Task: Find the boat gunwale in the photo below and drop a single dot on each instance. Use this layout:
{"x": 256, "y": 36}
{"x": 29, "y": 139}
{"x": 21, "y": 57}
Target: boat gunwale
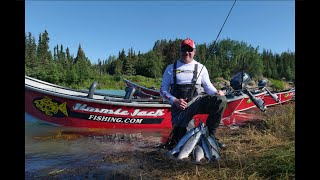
{"x": 71, "y": 89}
{"x": 105, "y": 99}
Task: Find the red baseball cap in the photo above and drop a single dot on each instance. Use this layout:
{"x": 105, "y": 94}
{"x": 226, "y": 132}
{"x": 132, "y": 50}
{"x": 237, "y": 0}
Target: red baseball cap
{"x": 188, "y": 42}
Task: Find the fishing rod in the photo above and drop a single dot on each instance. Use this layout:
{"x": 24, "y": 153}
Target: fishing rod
{"x": 215, "y": 42}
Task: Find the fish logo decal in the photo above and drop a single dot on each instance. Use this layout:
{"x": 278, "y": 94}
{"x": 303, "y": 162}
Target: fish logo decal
{"x": 287, "y": 95}
{"x": 51, "y": 107}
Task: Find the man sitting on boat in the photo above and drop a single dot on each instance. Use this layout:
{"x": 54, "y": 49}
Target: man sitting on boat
{"x": 187, "y": 87}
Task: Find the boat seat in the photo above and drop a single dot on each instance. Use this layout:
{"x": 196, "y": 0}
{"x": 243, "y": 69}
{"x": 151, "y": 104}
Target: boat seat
{"x": 129, "y": 92}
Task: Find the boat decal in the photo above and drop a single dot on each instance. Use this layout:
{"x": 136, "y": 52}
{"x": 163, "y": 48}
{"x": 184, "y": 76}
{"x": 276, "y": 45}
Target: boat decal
{"x": 119, "y": 111}
{"x": 288, "y": 94}
{"x": 249, "y": 101}
{"x": 51, "y": 107}
{"x": 114, "y": 119}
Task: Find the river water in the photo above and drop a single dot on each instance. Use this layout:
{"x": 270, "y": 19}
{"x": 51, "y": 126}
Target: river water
{"x": 50, "y": 148}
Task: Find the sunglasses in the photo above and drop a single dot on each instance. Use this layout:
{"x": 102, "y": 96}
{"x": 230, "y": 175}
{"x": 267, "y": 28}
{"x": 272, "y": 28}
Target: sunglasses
{"x": 186, "y": 49}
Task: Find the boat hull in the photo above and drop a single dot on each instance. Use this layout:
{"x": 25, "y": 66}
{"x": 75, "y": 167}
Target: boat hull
{"x": 247, "y": 103}
{"x": 68, "y": 107}
{"x": 284, "y": 96}
{"x": 81, "y": 113}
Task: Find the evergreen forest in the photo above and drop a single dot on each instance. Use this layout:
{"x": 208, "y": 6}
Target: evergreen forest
{"x": 227, "y": 58}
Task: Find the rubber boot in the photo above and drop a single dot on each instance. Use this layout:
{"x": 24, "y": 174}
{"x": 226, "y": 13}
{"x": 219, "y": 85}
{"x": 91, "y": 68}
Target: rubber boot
{"x": 176, "y": 134}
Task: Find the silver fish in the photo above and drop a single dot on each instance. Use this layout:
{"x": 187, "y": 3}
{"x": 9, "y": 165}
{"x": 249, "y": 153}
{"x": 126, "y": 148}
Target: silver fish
{"x": 184, "y": 139}
{"x": 206, "y": 147}
{"x": 213, "y": 142}
{"x": 216, "y": 154}
{"x": 198, "y": 154}
{"x": 189, "y": 146}
{"x": 214, "y": 147}
{"x": 190, "y": 125}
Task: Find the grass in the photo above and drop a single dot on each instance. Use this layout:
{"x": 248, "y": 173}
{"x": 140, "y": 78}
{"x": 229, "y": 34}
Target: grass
{"x": 260, "y": 149}
{"x": 117, "y": 83}
{"x": 263, "y": 149}
{"x": 260, "y": 152}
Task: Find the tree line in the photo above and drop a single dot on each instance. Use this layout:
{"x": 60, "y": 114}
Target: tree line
{"x": 224, "y": 60}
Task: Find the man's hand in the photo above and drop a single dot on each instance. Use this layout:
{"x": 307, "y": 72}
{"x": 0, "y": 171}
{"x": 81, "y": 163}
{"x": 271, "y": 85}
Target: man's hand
{"x": 221, "y": 93}
{"x": 180, "y": 103}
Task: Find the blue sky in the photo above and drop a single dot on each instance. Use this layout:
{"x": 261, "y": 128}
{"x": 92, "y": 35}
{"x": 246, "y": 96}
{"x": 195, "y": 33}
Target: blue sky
{"x": 104, "y": 28}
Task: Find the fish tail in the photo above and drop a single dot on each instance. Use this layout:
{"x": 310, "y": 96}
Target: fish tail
{"x": 63, "y": 108}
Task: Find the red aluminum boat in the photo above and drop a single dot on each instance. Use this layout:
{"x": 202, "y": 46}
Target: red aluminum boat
{"x": 69, "y": 107}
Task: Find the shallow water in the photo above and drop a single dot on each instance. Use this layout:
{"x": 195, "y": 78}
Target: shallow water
{"x": 49, "y": 148}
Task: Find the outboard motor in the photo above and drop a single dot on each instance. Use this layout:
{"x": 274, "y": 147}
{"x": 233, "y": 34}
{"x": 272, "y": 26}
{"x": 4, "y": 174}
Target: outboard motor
{"x": 257, "y": 101}
{"x": 262, "y": 83}
{"x": 240, "y": 80}
{"x": 274, "y": 96}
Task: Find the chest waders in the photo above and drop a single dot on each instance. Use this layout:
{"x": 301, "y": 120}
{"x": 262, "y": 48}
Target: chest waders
{"x": 184, "y": 91}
